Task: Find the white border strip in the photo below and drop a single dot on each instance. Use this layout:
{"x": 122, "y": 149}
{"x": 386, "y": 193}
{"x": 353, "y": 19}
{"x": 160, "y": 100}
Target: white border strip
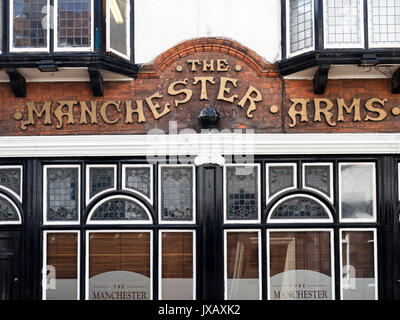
{"x": 109, "y": 222}
{"x": 44, "y": 266}
{"x": 258, "y": 231}
{"x": 316, "y": 164}
{"x": 87, "y": 178}
{"x": 258, "y": 184}
{"x": 160, "y": 278}
{"x": 138, "y": 166}
{"x": 196, "y": 144}
{"x": 18, "y": 196}
{"x": 275, "y": 164}
{"x": 374, "y": 200}
{"x": 61, "y": 222}
{"x": 375, "y": 239}
{"x": 160, "y": 221}
{"x": 332, "y": 253}
{"x": 87, "y": 254}
{"x": 4, "y": 223}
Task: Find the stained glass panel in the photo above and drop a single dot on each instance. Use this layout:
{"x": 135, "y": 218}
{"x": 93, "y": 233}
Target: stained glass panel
{"x": 242, "y": 193}
{"x": 62, "y": 194}
{"x": 100, "y": 179}
{"x": 11, "y": 178}
{"x": 138, "y": 179}
{"x": 280, "y": 178}
{"x": 177, "y": 193}
{"x": 318, "y": 177}
{"x": 119, "y": 209}
{"x": 7, "y": 211}
{"x": 299, "y": 208}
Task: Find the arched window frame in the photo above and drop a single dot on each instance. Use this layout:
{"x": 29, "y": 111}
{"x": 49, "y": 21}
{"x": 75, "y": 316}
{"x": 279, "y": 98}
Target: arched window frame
{"x": 301, "y": 220}
{"x": 11, "y": 202}
{"x": 125, "y": 222}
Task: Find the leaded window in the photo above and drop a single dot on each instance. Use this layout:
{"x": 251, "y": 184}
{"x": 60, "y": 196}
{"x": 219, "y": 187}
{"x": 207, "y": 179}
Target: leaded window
{"x": 74, "y": 24}
{"x": 300, "y": 208}
{"x": 30, "y": 25}
{"x": 61, "y": 189}
{"x": 138, "y": 178}
{"x": 242, "y": 190}
{"x": 301, "y": 27}
{"x": 343, "y": 21}
{"x": 280, "y": 177}
{"x": 11, "y": 180}
{"x": 100, "y": 179}
{"x": 119, "y": 209}
{"x": 384, "y": 23}
{"x": 318, "y": 177}
{"x": 177, "y": 193}
{"x": 9, "y": 213}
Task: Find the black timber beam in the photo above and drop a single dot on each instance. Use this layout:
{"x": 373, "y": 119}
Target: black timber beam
{"x": 321, "y": 79}
{"x": 17, "y": 82}
{"x": 395, "y": 81}
{"x": 96, "y": 82}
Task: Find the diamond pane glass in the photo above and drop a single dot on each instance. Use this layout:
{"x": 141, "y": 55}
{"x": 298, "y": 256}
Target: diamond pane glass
{"x": 100, "y": 179}
{"x": 30, "y": 24}
{"x": 279, "y": 178}
{"x": 7, "y": 211}
{"x": 177, "y": 193}
{"x": 242, "y": 193}
{"x": 138, "y": 179}
{"x": 343, "y": 22}
{"x": 318, "y": 177}
{"x": 119, "y": 209}
{"x": 301, "y": 25}
{"x": 62, "y": 194}
{"x": 74, "y": 23}
{"x": 11, "y": 178}
{"x": 299, "y": 208}
{"x": 384, "y": 22}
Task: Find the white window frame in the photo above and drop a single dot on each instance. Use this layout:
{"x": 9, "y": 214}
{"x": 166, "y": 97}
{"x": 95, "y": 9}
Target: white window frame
{"x": 90, "y": 166}
{"x": 108, "y": 222}
{"x": 338, "y": 45}
{"x": 374, "y": 207}
{"x": 317, "y": 164}
{"x": 12, "y": 192}
{"x": 160, "y": 221}
{"x": 73, "y": 49}
{"x": 373, "y": 230}
{"x": 108, "y": 31}
{"x": 301, "y": 220}
{"x": 258, "y": 166}
{"x": 370, "y": 33}
{"x": 87, "y": 254}
{"x": 289, "y": 54}
{"x": 286, "y": 164}
{"x": 160, "y": 278}
{"x": 124, "y": 187}
{"x": 44, "y": 261}
{"x": 19, "y": 222}
{"x": 260, "y": 278}
{"x": 332, "y": 254}
{"x": 61, "y": 222}
{"x": 11, "y": 31}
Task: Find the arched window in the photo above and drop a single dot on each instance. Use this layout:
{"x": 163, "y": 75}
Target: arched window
{"x": 299, "y": 208}
{"x": 119, "y": 209}
{"x": 9, "y": 213}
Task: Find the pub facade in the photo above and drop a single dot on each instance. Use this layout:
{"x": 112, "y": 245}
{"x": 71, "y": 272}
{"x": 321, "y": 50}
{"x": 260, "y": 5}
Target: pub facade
{"x": 207, "y": 172}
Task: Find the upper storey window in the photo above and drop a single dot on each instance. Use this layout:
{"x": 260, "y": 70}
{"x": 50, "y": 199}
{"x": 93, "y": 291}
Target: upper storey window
{"x": 340, "y": 24}
{"x": 301, "y": 34}
{"x": 343, "y": 22}
{"x": 69, "y": 26}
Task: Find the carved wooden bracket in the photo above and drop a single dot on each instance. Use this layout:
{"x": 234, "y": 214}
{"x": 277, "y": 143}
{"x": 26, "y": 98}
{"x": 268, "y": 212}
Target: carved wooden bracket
{"x": 17, "y": 83}
{"x": 321, "y": 79}
{"x": 96, "y": 82}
